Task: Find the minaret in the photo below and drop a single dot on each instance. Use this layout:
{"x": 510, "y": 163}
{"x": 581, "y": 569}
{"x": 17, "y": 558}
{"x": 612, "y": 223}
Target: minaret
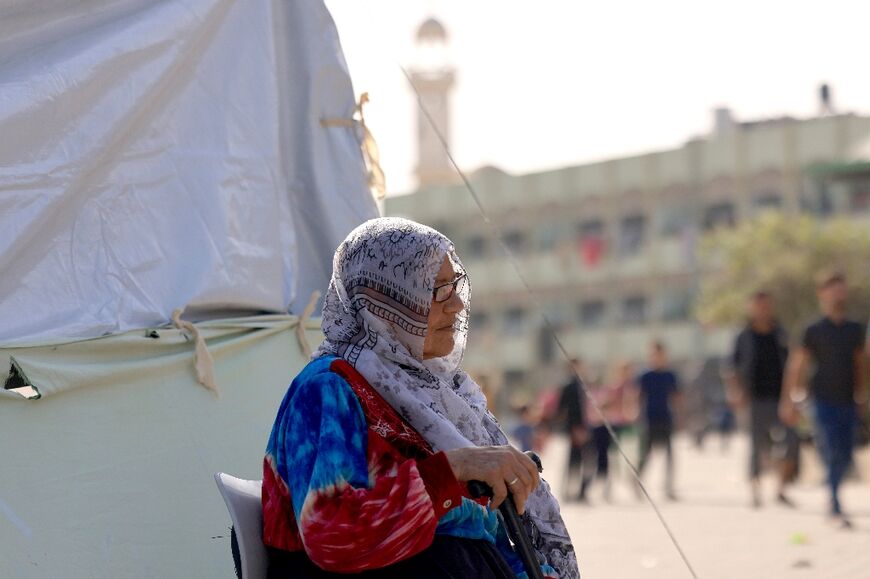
{"x": 433, "y": 76}
{"x": 826, "y": 101}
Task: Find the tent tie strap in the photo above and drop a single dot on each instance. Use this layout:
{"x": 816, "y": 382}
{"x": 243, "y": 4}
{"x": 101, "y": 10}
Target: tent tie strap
{"x": 203, "y": 362}
{"x": 371, "y": 153}
{"x": 304, "y": 345}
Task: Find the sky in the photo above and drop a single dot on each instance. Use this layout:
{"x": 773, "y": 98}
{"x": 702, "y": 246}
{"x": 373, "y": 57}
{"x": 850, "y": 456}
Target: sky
{"x": 556, "y": 82}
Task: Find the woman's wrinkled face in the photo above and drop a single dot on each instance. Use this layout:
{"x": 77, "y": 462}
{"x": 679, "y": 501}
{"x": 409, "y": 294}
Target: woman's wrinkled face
{"x": 442, "y": 316}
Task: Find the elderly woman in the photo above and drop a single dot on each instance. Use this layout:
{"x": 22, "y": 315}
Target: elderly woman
{"x": 374, "y": 441}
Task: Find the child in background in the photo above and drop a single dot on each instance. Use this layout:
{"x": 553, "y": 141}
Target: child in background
{"x": 524, "y": 431}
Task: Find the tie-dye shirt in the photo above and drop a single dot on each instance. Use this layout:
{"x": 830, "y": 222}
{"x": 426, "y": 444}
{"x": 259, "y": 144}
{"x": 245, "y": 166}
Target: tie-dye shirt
{"x": 348, "y": 481}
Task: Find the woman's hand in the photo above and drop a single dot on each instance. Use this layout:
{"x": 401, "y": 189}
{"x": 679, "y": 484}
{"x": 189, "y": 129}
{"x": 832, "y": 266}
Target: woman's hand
{"x": 497, "y": 466}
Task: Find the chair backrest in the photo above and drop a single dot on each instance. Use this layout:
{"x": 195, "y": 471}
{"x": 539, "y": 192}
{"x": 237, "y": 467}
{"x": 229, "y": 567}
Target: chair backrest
{"x": 243, "y": 499}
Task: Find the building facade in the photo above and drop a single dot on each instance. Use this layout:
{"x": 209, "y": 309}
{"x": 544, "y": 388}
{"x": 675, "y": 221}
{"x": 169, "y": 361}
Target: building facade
{"x": 609, "y": 248}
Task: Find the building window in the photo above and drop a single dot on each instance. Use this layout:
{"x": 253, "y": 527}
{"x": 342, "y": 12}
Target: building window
{"x": 558, "y": 315}
{"x": 767, "y": 200}
{"x": 631, "y": 235}
{"x": 675, "y": 220}
{"x": 676, "y": 305}
{"x": 514, "y": 321}
{"x": 514, "y": 379}
{"x": 719, "y": 215}
{"x": 591, "y": 228}
{"x": 634, "y": 310}
{"x": 515, "y": 241}
{"x": 592, "y": 242}
{"x": 808, "y": 198}
{"x": 479, "y": 320}
{"x": 859, "y": 201}
{"x": 549, "y": 236}
{"x": 592, "y": 314}
{"x": 546, "y": 346}
{"x": 443, "y": 228}
{"x": 477, "y": 247}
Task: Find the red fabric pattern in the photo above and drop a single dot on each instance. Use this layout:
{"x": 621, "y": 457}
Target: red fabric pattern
{"x": 349, "y": 529}
{"x": 381, "y": 417}
{"x": 445, "y": 491}
{"x": 279, "y": 529}
{"x": 389, "y": 424}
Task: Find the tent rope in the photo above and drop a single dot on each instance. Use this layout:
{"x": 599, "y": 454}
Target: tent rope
{"x": 496, "y": 230}
{"x": 202, "y": 358}
{"x": 203, "y": 362}
{"x": 368, "y": 145}
{"x": 304, "y": 345}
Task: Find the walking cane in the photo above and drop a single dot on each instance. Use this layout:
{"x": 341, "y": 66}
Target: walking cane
{"x": 514, "y": 524}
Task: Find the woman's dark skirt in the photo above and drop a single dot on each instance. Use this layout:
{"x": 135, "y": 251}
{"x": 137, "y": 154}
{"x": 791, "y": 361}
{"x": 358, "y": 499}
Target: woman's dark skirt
{"x": 446, "y": 558}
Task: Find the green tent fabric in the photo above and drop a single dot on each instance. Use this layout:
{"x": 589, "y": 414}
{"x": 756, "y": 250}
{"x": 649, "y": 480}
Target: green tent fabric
{"x": 109, "y": 472}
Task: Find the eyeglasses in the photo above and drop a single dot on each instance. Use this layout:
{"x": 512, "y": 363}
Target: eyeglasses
{"x": 444, "y": 292}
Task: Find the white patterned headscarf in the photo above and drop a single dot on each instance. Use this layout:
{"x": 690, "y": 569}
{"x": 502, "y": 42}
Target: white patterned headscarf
{"x": 375, "y": 316}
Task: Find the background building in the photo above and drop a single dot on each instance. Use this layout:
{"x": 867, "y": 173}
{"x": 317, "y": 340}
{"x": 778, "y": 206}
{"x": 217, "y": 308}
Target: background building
{"x": 609, "y": 248}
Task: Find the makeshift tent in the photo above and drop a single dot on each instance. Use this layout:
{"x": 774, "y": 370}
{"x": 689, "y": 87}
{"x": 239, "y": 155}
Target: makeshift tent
{"x": 158, "y": 157}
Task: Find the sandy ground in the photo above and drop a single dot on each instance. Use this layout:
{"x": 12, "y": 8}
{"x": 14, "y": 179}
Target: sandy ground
{"x": 722, "y": 536}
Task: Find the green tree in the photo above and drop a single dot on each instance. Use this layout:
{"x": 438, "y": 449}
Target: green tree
{"x": 782, "y": 254}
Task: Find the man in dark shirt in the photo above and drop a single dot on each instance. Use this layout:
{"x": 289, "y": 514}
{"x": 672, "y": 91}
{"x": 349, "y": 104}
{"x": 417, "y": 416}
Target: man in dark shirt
{"x": 572, "y": 414}
{"x": 835, "y": 345}
{"x": 760, "y": 352}
{"x": 658, "y": 391}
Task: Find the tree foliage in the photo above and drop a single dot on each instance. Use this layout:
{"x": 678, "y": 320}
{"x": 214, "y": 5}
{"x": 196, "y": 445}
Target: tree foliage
{"x": 782, "y": 254}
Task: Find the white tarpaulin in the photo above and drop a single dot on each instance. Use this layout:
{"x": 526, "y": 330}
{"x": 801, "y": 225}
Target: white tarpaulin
{"x": 157, "y": 155}
{"x": 168, "y": 154}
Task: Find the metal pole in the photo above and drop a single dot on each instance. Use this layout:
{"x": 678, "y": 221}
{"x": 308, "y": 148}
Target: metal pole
{"x": 514, "y": 523}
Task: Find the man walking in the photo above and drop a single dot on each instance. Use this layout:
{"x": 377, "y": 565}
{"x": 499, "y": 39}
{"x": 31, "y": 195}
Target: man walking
{"x": 835, "y": 345}
{"x": 760, "y": 353}
{"x": 658, "y": 391}
{"x": 572, "y": 414}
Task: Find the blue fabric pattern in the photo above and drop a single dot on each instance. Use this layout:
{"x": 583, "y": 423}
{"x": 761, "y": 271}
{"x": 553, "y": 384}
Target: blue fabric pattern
{"x": 320, "y": 439}
{"x": 471, "y": 521}
{"x": 320, "y": 434}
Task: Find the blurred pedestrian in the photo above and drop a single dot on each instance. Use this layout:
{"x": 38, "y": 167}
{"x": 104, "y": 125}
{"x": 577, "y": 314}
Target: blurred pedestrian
{"x": 595, "y": 460}
{"x": 714, "y": 412}
{"x": 572, "y": 415}
{"x": 547, "y": 403}
{"x": 658, "y": 393}
{"x": 725, "y": 421}
{"x": 618, "y": 407}
{"x": 758, "y": 361}
{"x": 524, "y": 430}
{"x": 613, "y": 399}
{"x": 835, "y": 346}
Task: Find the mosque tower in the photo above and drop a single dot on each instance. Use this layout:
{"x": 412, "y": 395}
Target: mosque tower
{"x": 433, "y": 75}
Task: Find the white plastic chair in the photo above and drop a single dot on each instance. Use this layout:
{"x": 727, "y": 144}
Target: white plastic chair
{"x": 243, "y": 499}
